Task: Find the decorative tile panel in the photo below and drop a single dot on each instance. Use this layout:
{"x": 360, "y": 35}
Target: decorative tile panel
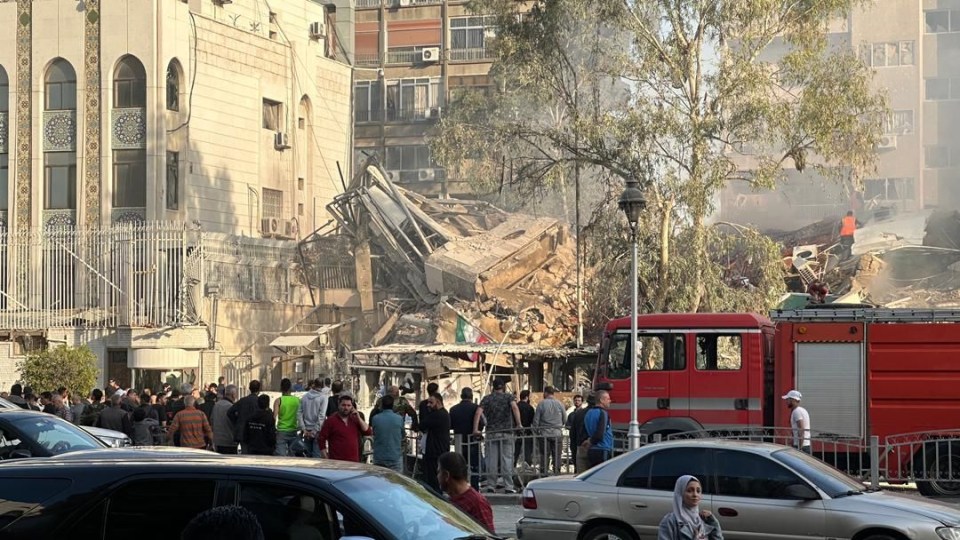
{"x": 59, "y": 131}
{"x": 59, "y": 219}
{"x": 91, "y": 112}
{"x": 129, "y": 128}
{"x": 24, "y": 111}
{"x": 128, "y": 216}
{"x": 4, "y": 126}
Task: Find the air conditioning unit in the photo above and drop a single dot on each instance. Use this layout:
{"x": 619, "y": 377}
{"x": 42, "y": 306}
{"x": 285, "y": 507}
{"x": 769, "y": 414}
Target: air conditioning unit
{"x": 281, "y": 141}
{"x": 887, "y": 141}
{"x": 426, "y": 175}
{"x": 318, "y": 30}
{"x": 434, "y": 112}
{"x": 430, "y": 54}
{"x": 270, "y": 226}
{"x": 290, "y": 228}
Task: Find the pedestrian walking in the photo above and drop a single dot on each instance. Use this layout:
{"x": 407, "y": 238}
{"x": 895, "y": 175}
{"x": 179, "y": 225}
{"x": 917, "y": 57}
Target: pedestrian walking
{"x": 192, "y": 426}
{"x": 687, "y": 521}
{"x": 452, "y": 479}
{"x": 524, "y": 442}
{"x": 339, "y": 437}
{"x": 115, "y": 418}
{"x": 387, "y": 436}
{"x": 578, "y": 433}
{"x": 260, "y": 435}
{"x": 599, "y": 445}
{"x": 92, "y": 410}
{"x": 144, "y": 428}
{"x": 435, "y": 426}
{"x": 286, "y": 409}
{"x": 310, "y": 415}
{"x": 502, "y": 415}
{"x": 224, "y": 441}
{"x": 209, "y": 401}
{"x": 848, "y": 228}
{"x": 243, "y": 410}
{"x": 424, "y": 407}
{"x": 571, "y": 429}
{"x": 548, "y": 422}
{"x": 333, "y": 402}
{"x": 467, "y": 444}
{"x": 799, "y": 421}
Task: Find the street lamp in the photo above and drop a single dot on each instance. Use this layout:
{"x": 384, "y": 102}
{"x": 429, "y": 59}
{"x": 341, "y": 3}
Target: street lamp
{"x": 632, "y": 203}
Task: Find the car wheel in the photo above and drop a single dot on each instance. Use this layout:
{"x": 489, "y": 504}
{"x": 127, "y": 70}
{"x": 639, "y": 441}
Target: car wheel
{"x": 880, "y": 537}
{"x": 608, "y": 532}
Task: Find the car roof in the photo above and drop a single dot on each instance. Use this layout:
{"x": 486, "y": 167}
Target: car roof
{"x": 330, "y": 470}
{"x": 752, "y": 446}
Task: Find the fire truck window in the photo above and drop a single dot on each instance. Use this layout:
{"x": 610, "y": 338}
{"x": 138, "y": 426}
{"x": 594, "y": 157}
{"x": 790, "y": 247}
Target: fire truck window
{"x": 717, "y": 352}
{"x": 666, "y": 352}
{"x": 741, "y": 474}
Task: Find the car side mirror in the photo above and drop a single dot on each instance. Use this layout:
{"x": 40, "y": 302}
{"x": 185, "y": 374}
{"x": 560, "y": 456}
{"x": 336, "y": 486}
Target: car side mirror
{"x": 20, "y": 454}
{"x": 802, "y": 492}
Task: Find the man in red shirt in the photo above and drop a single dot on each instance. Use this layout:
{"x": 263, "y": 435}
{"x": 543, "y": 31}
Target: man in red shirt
{"x": 453, "y": 478}
{"x": 339, "y": 438}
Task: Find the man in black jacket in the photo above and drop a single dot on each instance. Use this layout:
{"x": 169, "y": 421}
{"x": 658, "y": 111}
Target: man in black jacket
{"x": 260, "y": 430}
{"x": 435, "y": 426}
{"x": 461, "y": 421}
{"x": 578, "y": 433}
{"x": 524, "y": 436}
{"x": 241, "y": 411}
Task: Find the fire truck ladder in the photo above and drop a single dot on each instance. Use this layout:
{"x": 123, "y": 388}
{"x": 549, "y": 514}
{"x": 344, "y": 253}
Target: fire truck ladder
{"x": 881, "y": 315}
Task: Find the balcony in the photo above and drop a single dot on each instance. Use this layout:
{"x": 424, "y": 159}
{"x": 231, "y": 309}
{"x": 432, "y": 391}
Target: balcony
{"x": 405, "y": 3}
{"x": 368, "y": 59}
{"x": 471, "y": 55}
{"x": 404, "y": 57}
{"x": 414, "y": 114}
{"x": 368, "y": 4}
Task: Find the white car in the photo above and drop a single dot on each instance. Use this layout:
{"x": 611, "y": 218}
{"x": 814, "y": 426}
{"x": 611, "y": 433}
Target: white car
{"x": 113, "y": 439}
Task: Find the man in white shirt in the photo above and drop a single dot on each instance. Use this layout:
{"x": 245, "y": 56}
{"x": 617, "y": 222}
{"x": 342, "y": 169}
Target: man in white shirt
{"x": 799, "y": 421}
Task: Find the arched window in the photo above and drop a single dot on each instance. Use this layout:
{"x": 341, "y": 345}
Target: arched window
{"x": 174, "y": 77}
{"x": 129, "y": 84}
{"x": 60, "y": 87}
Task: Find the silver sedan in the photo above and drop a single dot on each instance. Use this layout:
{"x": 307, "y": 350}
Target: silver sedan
{"x": 756, "y": 490}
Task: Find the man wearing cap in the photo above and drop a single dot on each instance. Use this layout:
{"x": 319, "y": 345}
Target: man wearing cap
{"x": 799, "y": 421}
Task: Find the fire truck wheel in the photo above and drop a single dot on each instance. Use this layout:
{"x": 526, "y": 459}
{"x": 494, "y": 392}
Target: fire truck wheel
{"x": 940, "y": 459}
{"x": 608, "y": 532}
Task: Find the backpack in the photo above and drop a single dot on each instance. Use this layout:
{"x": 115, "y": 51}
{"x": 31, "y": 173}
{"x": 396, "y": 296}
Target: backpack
{"x": 91, "y": 412}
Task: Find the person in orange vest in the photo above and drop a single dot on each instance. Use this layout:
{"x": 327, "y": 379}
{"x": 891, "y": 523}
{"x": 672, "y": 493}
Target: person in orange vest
{"x": 848, "y": 226}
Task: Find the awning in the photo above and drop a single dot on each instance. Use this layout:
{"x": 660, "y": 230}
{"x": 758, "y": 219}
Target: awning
{"x": 163, "y": 359}
{"x": 294, "y": 340}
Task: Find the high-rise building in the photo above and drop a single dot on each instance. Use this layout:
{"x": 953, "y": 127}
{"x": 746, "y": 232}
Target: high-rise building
{"x": 411, "y": 57}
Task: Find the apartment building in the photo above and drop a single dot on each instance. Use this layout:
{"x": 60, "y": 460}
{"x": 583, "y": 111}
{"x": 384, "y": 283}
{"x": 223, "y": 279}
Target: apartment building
{"x": 411, "y": 57}
{"x": 914, "y": 49}
{"x": 158, "y": 161}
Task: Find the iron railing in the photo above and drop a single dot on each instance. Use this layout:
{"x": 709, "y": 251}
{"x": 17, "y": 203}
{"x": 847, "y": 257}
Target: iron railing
{"x": 472, "y": 54}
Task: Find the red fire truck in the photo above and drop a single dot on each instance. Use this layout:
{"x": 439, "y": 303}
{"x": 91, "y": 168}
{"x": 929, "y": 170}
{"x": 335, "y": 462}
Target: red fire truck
{"x": 890, "y": 373}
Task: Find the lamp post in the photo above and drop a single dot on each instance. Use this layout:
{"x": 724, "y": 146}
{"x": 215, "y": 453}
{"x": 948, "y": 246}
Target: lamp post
{"x": 632, "y": 203}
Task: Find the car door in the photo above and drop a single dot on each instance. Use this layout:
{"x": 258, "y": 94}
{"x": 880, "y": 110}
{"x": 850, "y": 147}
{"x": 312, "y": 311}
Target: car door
{"x": 750, "y": 500}
{"x": 646, "y": 488}
{"x": 157, "y": 508}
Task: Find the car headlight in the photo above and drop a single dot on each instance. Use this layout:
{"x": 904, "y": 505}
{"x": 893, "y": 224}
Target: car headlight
{"x": 116, "y": 443}
{"x": 949, "y": 533}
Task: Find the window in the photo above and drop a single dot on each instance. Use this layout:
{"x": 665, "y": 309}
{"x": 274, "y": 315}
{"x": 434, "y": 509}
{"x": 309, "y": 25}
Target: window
{"x": 889, "y": 189}
{"x": 18, "y": 497}
{"x": 129, "y": 178}
{"x": 899, "y": 123}
{"x": 668, "y": 465}
{"x": 60, "y": 180}
{"x": 173, "y": 86}
{"x": 717, "y": 352}
{"x": 942, "y": 89}
{"x": 742, "y": 474}
{"x": 60, "y": 87}
{"x": 173, "y": 180}
{"x": 664, "y": 352}
{"x": 4, "y": 181}
{"x": 285, "y": 512}
{"x": 469, "y": 37}
{"x": 412, "y": 99}
{"x": 638, "y": 475}
{"x": 409, "y": 158}
{"x": 178, "y": 500}
{"x": 272, "y": 203}
{"x": 888, "y": 54}
{"x": 299, "y": 209}
{"x": 272, "y": 114}
{"x": 129, "y": 84}
{"x": 936, "y": 157}
{"x": 300, "y": 184}
{"x": 942, "y": 21}
{"x": 367, "y": 101}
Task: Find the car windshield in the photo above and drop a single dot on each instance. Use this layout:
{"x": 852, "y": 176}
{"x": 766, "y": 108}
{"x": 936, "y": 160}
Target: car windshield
{"x": 409, "y": 510}
{"x": 56, "y": 435}
{"x": 829, "y": 480}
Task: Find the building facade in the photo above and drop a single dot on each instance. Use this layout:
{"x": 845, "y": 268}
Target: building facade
{"x": 158, "y": 161}
{"x": 411, "y": 57}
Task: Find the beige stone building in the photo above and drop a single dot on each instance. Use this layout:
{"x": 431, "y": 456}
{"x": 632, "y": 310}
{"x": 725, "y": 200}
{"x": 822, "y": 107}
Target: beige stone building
{"x": 914, "y": 50}
{"x": 158, "y": 161}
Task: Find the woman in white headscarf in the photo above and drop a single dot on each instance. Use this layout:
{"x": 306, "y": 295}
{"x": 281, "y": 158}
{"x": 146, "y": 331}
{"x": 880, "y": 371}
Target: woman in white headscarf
{"x": 687, "y": 521}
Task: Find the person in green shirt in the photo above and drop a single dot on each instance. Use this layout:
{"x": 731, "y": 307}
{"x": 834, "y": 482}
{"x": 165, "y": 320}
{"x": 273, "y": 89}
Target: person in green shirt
{"x": 285, "y": 410}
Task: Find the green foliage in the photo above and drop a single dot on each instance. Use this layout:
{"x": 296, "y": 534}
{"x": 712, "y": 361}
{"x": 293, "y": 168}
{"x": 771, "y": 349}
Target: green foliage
{"x": 49, "y": 369}
{"x": 670, "y": 94}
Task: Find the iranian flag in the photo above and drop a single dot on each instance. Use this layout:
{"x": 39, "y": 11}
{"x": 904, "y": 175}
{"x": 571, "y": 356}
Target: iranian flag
{"x": 468, "y": 333}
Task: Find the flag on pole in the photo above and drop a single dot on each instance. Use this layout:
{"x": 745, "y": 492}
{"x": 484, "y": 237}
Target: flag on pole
{"x": 468, "y": 333}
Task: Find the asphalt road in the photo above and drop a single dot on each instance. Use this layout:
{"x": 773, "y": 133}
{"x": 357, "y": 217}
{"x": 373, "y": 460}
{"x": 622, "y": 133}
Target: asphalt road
{"x": 505, "y": 515}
